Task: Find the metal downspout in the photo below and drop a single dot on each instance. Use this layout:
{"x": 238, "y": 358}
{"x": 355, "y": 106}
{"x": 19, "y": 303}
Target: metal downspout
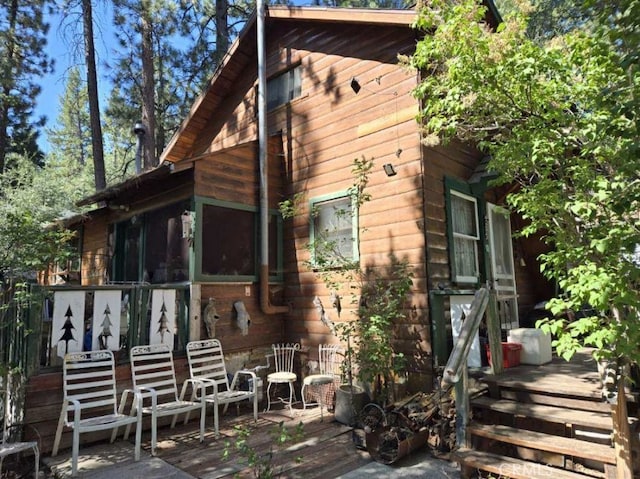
{"x": 265, "y": 303}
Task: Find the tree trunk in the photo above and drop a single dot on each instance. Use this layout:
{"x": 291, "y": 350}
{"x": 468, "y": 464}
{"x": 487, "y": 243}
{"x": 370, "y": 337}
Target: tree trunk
{"x": 148, "y": 97}
{"x": 92, "y": 92}
{"x": 222, "y": 29}
{"x": 12, "y": 16}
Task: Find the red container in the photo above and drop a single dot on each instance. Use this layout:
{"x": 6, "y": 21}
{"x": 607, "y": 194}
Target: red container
{"x": 510, "y": 354}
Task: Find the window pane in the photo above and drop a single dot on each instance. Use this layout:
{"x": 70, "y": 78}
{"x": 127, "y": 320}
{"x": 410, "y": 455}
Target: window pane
{"x": 166, "y": 251}
{"x": 464, "y": 216}
{"x": 502, "y": 243}
{"x": 465, "y": 257}
{"x": 228, "y": 246}
{"x": 131, "y": 251}
{"x": 333, "y": 229}
{"x": 284, "y": 88}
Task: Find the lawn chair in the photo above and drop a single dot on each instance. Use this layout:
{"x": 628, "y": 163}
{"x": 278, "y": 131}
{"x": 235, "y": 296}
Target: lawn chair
{"x": 89, "y": 383}
{"x": 322, "y": 385}
{"x": 284, "y": 355}
{"x": 7, "y": 448}
{"x": 154, "y": 376}
{"x": 206, "y": 364}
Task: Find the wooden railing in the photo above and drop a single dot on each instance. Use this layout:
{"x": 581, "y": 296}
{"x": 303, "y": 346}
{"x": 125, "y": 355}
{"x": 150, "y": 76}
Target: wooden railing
{"x": 455, "y": 372}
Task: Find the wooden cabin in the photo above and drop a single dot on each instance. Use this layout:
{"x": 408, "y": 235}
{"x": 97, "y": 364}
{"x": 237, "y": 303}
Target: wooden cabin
{"x": 336, "y": 91}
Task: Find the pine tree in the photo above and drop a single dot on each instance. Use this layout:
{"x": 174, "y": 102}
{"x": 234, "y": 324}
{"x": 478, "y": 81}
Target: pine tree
{"x": 67, "y": 327}
{"x": 163, "y": 321}
{"x": 22, "y": 62}
{"x": 106, "y": 328}
{"x": 71, "y": 137}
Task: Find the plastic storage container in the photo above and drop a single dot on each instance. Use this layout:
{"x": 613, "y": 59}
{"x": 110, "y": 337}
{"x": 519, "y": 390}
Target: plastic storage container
{"x": 536, "y": 345}
{"x": 510, "y": 354}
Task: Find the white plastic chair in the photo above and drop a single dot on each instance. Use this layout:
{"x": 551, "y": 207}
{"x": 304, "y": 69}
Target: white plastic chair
{"x": 154, "y": 376}
{"x": 89, "y": 382}
{"x": 284, "y": 355}
{"x": 206, "y": 365}
{"x": 324, "y": 382}
{"x": 7, "y": 448}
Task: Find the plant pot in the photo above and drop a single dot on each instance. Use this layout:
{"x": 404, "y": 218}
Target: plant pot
{"x": 349, "y": 402}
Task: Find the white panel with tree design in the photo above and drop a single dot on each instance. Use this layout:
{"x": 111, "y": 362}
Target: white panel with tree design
{"x": 163, "y": 317}
{"x": 106, "y": 320}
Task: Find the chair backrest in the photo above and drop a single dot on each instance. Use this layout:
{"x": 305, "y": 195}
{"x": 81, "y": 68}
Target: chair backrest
{"x": 89, "y": 377}
{"x": 284, "y": 355}
{"x": 329, "y": 359}
{"x": 206, "y": 361}
{"x": 152, "y": 367}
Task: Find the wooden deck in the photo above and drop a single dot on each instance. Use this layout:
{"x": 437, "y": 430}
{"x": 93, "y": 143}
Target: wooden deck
{"x": 577, "y": 377}
{"x": 325, "y": 450}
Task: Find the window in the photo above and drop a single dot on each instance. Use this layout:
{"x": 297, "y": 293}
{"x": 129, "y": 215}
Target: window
{"x": 149, "y": 247}
{"x": 283, "y": 88}
{"x": 334, "y": 231}
{"x": 465, "y": 235}
{"x": 227, "y": 241}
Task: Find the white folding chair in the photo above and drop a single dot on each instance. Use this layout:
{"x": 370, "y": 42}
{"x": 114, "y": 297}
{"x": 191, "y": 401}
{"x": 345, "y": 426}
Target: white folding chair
{"x": 8, "y": 448}
{"x": 321, "y": 385}
{"x": 154, "y": 376}
{"x": 284, "y": 356}
{"x": 89, "y": 382}
{"x": 206, "y": 364}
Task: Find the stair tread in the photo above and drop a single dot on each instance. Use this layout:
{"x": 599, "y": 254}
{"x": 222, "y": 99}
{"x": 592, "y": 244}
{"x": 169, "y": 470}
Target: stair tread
{"x": 546, "y": 442}
{"x": 528, "y": 396}
{"x": 511, "y": 467}
{"x": 590, "y": 419}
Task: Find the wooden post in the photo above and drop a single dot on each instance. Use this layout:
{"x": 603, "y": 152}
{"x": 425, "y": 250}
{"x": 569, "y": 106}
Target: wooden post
{"x": 462, "y": 408}
{"x": 494, "y": 334}
{"x": 195, "y": 312}
{"x": 621, "y": 434}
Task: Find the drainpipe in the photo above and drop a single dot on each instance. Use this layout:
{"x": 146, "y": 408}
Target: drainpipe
{"x": 265, "y": 303}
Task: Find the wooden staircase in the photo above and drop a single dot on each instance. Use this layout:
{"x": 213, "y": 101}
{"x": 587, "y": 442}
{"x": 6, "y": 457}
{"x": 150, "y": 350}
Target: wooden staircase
{"x": 540, "y": 422}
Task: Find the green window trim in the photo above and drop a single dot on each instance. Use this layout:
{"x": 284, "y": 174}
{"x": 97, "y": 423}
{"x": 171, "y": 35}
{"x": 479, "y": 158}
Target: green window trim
{"x": 198, "y": 250}
{"x": 314, "y": 204}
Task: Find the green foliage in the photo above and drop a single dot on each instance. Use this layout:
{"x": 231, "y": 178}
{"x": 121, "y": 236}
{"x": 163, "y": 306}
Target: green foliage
{"x": 561, "y": 120}
{"x": 31, "y": 200}
{"x": 382, "y": 304}
{"x": 262, "y": 464}
{"x": 22, "y": 61}
{"x": 71, "y": 137}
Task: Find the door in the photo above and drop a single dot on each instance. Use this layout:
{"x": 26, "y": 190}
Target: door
{"x": 502, "y": 273}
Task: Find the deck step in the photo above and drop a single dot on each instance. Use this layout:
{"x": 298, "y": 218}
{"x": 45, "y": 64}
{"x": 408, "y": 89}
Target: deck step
{"x": 553, "y": 414}
{"x": 550, "y": 400}
{"x": 545, "y": 442}
{"x": 510, "y": 467}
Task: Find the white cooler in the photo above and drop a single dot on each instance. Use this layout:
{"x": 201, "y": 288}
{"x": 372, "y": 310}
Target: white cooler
{"x": 536, "y": 345}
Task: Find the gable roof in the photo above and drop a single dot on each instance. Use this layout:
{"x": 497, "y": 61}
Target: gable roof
{"x": 243, "y": 50}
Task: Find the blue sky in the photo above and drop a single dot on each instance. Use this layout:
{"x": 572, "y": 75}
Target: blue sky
{"x": 58, "y": 48}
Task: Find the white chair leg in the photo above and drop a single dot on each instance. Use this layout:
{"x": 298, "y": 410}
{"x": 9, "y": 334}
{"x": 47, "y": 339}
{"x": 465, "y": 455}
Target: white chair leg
{"x": 154, "y": 433}
{"x": 268, "y": 397}
{"x": 56, "y": 442}
{"x": 215, "y": 419}
{"x": 304, "y": 401}
{"x": 291, "y": 397}
{"x": 74, "y": 454}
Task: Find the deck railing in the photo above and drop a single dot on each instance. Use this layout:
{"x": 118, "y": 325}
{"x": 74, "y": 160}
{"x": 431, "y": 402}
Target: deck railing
{"x": 455, "y": 372}
{"x": 29, "y": 331}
